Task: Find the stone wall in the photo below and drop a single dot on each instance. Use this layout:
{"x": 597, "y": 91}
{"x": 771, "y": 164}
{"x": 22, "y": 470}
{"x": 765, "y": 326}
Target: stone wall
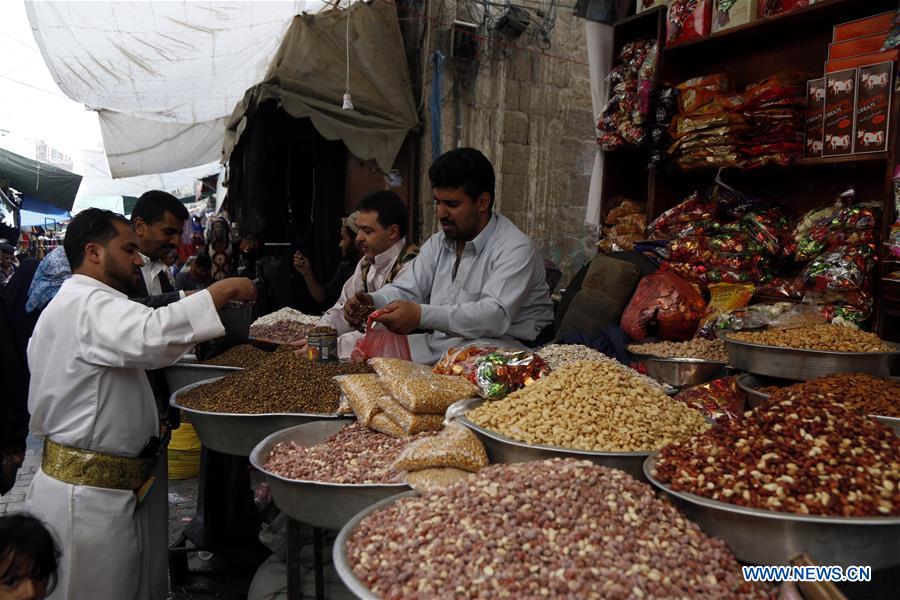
{"x": 531, "y": 115}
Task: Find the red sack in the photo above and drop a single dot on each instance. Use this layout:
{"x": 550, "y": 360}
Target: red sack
{"x": 667, "y": 303}
{"x": 379, "y": 342}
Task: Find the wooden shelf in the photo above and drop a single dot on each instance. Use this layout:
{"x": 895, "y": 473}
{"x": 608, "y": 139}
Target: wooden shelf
{"x": 851, "y": 159}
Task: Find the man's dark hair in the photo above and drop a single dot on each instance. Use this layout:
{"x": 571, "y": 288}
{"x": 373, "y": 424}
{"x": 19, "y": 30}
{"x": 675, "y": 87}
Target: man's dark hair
{"x": 93, "y": 225}
{"x": 465, "y": 168}
{"x": 390, "y": 208}
{"x": 27, "y": 548}
{"x": 152, "y": 207}
{"x": 204, "y": 261}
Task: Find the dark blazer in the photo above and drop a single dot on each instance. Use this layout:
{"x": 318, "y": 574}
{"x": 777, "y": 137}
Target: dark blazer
{"x": 143, "y": 296}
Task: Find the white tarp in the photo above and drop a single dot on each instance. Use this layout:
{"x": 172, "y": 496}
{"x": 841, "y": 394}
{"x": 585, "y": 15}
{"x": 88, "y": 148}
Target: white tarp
{"x": 162, "y": 75}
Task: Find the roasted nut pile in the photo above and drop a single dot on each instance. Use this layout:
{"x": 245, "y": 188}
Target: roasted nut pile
{"x": 244, "y": 356}
{"x": 800, "y": 453}
{"x": 559, "y": 355}
{"x": 857, "y": 391}
{"x": 591, "y": 406}
{"x": 696, "y": 348}
{"x": 834, "y": 338}
{"x": 286, "y": 383}
{"x": 555, "y": 528}
{"x": 281, "y": 332}
{"x": 354, "y": 455}
{"x": 286, "y": 314}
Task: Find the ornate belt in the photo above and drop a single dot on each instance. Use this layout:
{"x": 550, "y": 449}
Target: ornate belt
{"x": 96, "y": 469}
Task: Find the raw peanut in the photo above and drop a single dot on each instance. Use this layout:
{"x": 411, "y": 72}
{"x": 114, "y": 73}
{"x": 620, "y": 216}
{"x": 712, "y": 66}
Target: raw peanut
{"x": 857, "y": 391}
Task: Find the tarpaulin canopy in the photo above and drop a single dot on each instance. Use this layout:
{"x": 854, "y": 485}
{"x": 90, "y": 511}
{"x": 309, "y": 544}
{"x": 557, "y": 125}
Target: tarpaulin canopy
{"x": 308, "y": 78}
{"x": 162, "y": 75}
{"x": 42, "y": 181}
{"x": 34, "y": 212}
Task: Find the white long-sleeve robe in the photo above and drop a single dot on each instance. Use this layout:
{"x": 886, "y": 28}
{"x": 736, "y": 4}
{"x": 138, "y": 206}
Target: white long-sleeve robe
{"x": 88, "y": 390}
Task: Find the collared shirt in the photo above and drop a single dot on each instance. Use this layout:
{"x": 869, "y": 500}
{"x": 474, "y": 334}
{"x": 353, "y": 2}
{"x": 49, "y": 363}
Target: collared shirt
{"x": 499, "y": 292}
{"x": 151, "y": 271}
{"x": 375, "y": 279}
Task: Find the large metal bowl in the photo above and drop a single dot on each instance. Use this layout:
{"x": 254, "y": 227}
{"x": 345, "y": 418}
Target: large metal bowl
{"x": 794, "y": 363}
{"x": 501, "y": 449}
{"x": 324, "y": 505}
{"x": 181, "y": 375}
{"x": 682, "y": 372}
{"x": 766, "y": 537}
{"x": 238, "y": 433}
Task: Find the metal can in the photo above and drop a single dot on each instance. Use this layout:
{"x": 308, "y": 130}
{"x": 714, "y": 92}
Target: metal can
{"x": 322, "y": 346}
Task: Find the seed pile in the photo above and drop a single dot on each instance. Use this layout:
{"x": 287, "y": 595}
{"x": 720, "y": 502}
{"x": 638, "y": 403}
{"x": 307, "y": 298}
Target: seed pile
{"x": 281, "y": 332}
{"x": 591, "y": 406}
{"x": 555, "y": 528}
{"x": 286, "y": 383}
{"x": 560, "y": 355}
{"x": 696, "y": 348}
{"x": 354, "y": 455}
{"x": 800, "y": 453}
{"x": 286, "y": 314}
{"x": 834, "y": 338}
{"x": 244, "y": 356}
{"x": 323, "y": 330}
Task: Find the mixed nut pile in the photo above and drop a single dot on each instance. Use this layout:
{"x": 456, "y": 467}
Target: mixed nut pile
{"x": 701, "y": 348}
{"x": 244, "y": 356}
{"x": 857, "y": 391}
{"x": 591, "y": 406}
{"x": 558, "y": 528}
{"x": 832, "y": 338}
{"x": 560, "y": 355}
{"x": 285, "y": 383}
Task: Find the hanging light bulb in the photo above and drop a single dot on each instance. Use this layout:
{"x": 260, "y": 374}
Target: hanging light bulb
{"x": 348, "y": 102}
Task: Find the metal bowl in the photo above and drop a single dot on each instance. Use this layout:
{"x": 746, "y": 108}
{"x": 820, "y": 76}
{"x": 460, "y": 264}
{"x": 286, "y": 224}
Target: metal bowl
{"x": 339, "y": 551}
{"x": 794, "y": 363}
{"x": 324, "y": 505}
{"x": 180, "y": 375}
{"x": 501, "y": 449}
{"x": 892, "y": 422}
{"x": 238, "y": 433}
{"x": 682, "y": 372}
{"x": 766, "y": 537}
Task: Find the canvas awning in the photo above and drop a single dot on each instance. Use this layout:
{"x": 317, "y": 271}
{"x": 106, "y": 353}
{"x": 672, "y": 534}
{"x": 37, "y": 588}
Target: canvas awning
{"x": 308, "y": 77}
{"x": 41, "y": 181}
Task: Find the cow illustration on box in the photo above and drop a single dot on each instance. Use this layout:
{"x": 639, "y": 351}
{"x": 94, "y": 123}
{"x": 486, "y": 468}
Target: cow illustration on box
{"x": 841, "y": 89}
{"x": 870, "y": 138}
{"x": 815, "y": 117}
{"x": 872, "y": 80}
{"x": 844, "y": 86}
{"x": 837, "y": 142}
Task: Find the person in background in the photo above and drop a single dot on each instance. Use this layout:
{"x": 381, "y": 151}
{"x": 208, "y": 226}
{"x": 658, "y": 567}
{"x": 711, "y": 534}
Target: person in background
{"x": 328, "y": 294}
{"x": 195, "y": 275}
{"x": 171, "y": 262}
{"x": 219, "y": 248}
{"x": 157, "y": 219}
{"x": 481, "y": 278}
{"x": 7, "y": 263}
{"x": 29, "y": 558}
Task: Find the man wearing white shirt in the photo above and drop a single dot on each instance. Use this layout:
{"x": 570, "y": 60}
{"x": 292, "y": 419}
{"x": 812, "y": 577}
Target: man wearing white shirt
{"x": 90, "y": 400}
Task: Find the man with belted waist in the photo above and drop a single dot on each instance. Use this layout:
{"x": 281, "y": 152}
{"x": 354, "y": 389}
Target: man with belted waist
{"x": 90, "y": 400}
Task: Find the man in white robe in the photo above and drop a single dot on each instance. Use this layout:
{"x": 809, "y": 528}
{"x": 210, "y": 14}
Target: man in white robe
{"x": 89, "y": 393}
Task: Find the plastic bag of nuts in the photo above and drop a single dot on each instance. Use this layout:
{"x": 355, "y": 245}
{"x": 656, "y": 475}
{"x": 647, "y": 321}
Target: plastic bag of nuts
{"x": 418, "y": 389}
{"x": 429, "y": 480}
{"x": 454, "y": 447}
{"x": 411, "y": 423}
{"x": 382, "y": 424}
{"x": 362, "y": 393}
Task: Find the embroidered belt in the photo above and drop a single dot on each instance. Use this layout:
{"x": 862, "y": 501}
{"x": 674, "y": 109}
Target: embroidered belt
{"x": 96, "y": 469}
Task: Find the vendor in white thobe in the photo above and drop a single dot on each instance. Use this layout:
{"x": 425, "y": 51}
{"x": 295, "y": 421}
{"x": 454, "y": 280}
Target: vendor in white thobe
{"x": 480, "y": 279}
{"x": 90, "y": 400}
{"x": 382, "y": 220}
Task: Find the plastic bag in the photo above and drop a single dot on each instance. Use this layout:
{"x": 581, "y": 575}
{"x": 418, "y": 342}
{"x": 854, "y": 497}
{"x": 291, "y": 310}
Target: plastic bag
{"x": 455, "y": 447}
{"x": 362, "y": 393}
{"x": 383, "y": 424}
{"x": 843, "y": 269}
{"x": 666, "y": 303}
{"x": 797, "y": 317}
{"x": 625, "y": 208}
{"x": 496, "y": 372}
{"x": 430, "y": 480}
{"x": 720, "y": 399}
{"x": 418, "y": 389}
{"x": 409, "y": 422}
{"x": 379, "y": 342}
{"x": 723, "y": 298}
{"x": 692, "y": 210}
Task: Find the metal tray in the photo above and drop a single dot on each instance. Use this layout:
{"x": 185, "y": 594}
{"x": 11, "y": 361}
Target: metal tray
{"x": 238, "y": 433}
{"x": 339, "y": 550}
{"x": 324, "y": 505}
{"x": 180, "y": 375}
{"x": 501, "y": 449}
{"x": 794, "y": 363}
{"x": 681, "y": 372}
{"x": 765, "y": 537}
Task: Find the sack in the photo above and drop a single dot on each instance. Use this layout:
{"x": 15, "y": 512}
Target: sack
{"x": 380, "y": 343}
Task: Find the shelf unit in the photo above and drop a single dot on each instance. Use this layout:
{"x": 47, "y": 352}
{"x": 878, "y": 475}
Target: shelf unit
{"x": 796, "y": 40}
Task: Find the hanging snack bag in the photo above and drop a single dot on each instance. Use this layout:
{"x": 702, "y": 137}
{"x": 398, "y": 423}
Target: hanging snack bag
{"x": 666, "y": 303}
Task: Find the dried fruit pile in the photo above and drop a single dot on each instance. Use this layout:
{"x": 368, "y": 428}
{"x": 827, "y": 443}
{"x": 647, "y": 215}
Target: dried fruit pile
{"x": 286, "y": 383}
{"x": 556, "y": 528}
{"x": 245, "y": 356}
{"x": 833, "y": 338}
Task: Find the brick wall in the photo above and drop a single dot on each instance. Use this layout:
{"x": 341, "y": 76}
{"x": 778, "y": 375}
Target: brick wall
{"x": 531, "y": 116}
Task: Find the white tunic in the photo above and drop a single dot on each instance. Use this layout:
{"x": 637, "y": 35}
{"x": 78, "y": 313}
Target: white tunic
{"x": 88, "y": 390}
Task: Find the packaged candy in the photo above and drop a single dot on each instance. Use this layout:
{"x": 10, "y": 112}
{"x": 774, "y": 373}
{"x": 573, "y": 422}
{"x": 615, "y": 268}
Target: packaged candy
{"x": 723, "y": 298}
{"x": 688, "y": 20}
{"x": 685, "y": 124}
{"x": 843, "y": 269}
{"x": 720, "y": 399}
{"x": 666, "y": 303}
{"x": 495, "y": 372}
{"x": 623, "y": 122}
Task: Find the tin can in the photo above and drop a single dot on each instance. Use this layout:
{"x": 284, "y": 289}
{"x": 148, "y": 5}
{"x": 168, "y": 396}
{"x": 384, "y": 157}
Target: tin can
{"x": 322, "y": 346}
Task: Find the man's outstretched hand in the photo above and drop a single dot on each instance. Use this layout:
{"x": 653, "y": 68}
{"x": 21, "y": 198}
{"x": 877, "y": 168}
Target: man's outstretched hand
{"x": 402, "y": 317}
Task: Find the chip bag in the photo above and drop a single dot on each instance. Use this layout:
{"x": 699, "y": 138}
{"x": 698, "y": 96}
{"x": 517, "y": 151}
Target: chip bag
{"x": 664, "y": 303}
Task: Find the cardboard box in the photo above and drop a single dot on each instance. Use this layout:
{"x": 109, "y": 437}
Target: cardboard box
{"x": 860, "y": 61}
{"x": 815, "y": 117}
{"x": 857, "y": 46}
{"x": 739, "y": 12}
{"x": 840, "y": 102}
{"x": 873, "y": 108}
{"x": 643, "y": 5}
{"x": 862, "y": 27}
{"x": 684, "y": 23}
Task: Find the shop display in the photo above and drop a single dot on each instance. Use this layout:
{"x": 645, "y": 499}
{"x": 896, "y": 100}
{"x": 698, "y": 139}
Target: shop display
{"x": 354, "y": 455}
{"x": 840, "y": 96}
{"x": 732, "y": 13}
{"x": 286, "y": 383}
{"x": 590, "y": 406}
{"x": 721, "y": 400}
{"x": 831, "y": 338}
{"x": 801, "y": 453}
{"x": 245, "y": 356}
{"x": 622, "y": 123}
{"x": 664, "y": 304}
{"x": 696, "y": 348}
{"x": 688, "y": 20}
{"x": 561, "y": 528}
{"x": 496, "y": 372}
{"x": 815, "y": 118}
{"x": 420, "y": 390}
{"x": 455, "y": 447}
{"x": 873, "y": 107}
{"x": 859, "y": 392}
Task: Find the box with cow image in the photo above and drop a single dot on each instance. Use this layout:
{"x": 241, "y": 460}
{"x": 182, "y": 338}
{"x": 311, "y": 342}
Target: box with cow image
{"x": 840, "y": 97}
{"x": 815, "y": 117}
{"x": 873, "y": 107}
